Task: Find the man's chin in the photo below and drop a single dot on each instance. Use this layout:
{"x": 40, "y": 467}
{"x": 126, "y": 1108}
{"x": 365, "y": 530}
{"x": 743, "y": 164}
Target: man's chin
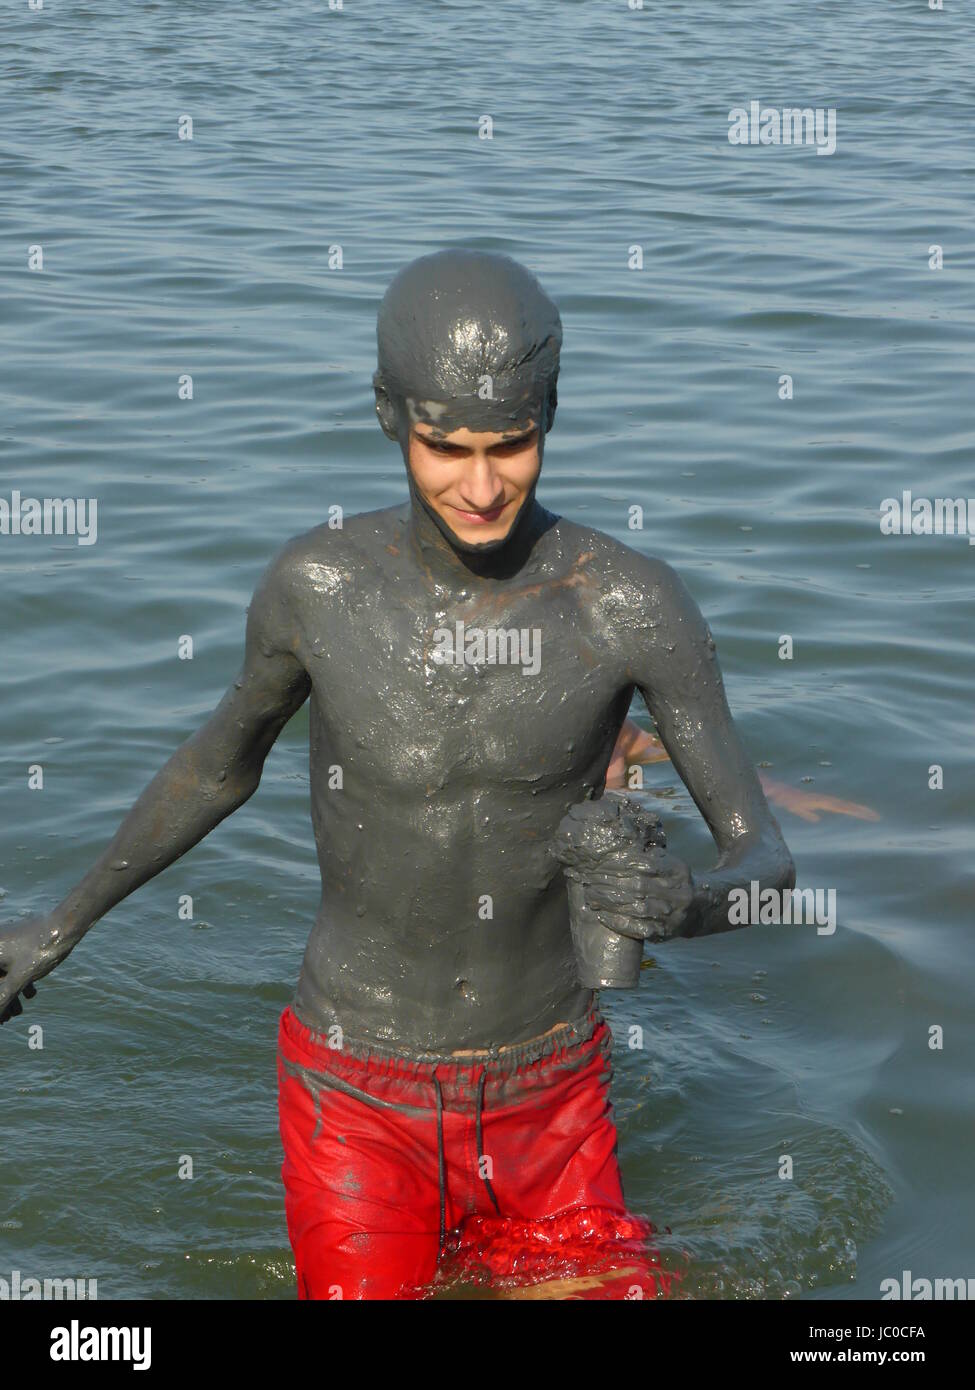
{"x": 482, "y": 537}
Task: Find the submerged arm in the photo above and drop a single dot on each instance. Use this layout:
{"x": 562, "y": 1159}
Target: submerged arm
{"x": 634, "y": 745}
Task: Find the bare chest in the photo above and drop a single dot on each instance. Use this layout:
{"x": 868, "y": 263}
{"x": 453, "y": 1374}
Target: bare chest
{"x": 525, "y": 695}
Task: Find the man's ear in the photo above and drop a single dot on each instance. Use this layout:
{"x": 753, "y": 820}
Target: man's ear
{"x": 385, "y": 410}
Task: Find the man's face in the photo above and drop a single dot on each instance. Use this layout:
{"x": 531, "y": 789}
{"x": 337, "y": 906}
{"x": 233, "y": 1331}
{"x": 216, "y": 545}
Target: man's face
{"x": 475, "y": 482}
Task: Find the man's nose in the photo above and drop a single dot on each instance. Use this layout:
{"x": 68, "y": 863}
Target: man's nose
{"x": 481, "y": 485}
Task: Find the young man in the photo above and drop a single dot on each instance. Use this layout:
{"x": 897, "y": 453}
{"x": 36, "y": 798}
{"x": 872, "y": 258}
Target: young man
{"x": 470, "y": 658}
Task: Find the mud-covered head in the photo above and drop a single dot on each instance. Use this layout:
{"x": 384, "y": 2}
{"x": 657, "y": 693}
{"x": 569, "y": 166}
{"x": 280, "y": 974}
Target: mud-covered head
{"x": 467, "y": 340}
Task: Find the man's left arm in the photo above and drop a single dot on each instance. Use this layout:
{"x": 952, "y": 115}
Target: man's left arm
{"x": 673, "y": 663}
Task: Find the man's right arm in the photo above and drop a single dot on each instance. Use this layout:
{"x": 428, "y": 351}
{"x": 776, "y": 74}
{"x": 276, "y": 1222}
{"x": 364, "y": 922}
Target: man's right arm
{"x": 208, "y": 777}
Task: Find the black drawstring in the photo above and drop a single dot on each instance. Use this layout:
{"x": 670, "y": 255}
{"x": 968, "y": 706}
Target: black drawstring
{"x": 480, "y": 1142}
{"x": 442, "y": 1162}
{"x": 441, "y": 1170}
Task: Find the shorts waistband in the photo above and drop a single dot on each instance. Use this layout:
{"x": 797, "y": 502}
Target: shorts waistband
{"x": 508, "y": 1057}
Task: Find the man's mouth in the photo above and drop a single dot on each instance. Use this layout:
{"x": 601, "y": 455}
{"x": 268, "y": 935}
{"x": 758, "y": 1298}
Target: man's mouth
{"x": 479, "y": 518}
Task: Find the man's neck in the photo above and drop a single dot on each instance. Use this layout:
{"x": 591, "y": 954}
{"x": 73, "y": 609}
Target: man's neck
{"x": 447, "y": 565}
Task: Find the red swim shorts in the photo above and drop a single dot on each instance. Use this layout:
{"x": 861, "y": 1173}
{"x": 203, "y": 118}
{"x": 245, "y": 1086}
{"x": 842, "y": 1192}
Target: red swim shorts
{"x": 499, "y": 1168}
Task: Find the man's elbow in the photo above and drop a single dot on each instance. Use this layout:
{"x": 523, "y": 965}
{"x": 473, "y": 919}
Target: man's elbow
{"x": 787, "y": 867}
{"x": 241, "y": 787}
{"x": 787, "y": 870}
{"x": 224, "y": 783}
{"x": 790, "y": 871}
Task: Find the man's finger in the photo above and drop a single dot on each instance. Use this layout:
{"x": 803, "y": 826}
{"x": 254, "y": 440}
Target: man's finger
{"x": 618, "y": 924}
{"x": 29, "y": 991}
{"x": 639, "y": 906}
{"x": 14, "y": 1008}
{"x": 624, "y": 885}
{"x": 640, "y": 882}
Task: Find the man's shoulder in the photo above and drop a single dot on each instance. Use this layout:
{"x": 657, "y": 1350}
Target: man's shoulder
{"x": 638, "y": 602}
{"x": 325, "y": 554}
{"x": 604, "y": 557}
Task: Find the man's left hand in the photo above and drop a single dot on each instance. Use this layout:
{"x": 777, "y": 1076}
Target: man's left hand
{"x": 650, "y": 898}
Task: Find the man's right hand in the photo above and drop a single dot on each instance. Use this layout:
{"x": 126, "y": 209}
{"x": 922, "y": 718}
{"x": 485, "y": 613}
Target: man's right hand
{"x": 29, "y": 950}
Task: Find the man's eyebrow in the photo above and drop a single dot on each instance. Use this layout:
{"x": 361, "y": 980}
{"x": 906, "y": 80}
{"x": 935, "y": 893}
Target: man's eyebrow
{"x": 501, "y": 444}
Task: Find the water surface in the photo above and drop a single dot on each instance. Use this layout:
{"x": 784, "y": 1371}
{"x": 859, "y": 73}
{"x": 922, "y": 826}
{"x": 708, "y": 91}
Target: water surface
{"x": 315, "y": 129}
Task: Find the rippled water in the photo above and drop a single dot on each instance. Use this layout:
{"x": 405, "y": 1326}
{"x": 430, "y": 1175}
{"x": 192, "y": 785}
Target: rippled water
{"x": 316, "y": 129}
